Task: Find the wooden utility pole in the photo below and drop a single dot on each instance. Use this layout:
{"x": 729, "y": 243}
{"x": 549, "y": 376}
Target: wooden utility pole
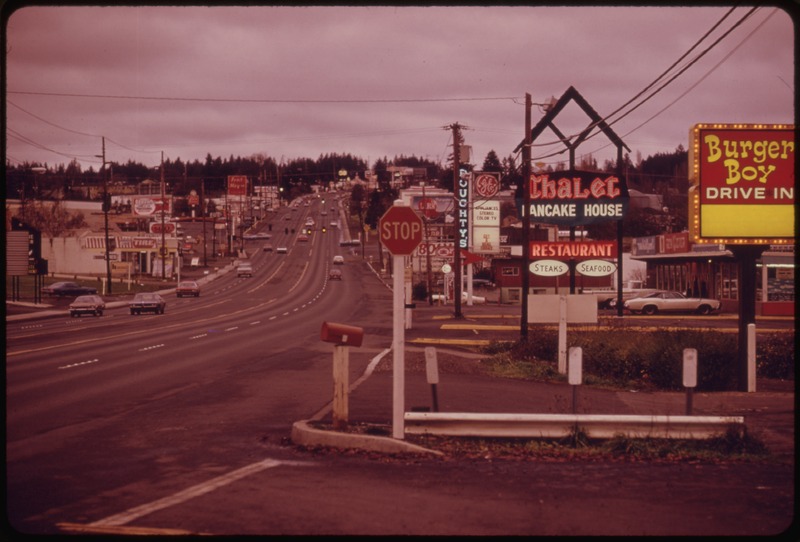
{"x": 526, "y": 218}
{"x": 456, "y": 232}
{"x": 106, "y": 207}
{"x": 163, "y": 225}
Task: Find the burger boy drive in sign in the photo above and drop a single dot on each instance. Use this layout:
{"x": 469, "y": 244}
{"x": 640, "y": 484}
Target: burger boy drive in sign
{"x": 743, "y": 183}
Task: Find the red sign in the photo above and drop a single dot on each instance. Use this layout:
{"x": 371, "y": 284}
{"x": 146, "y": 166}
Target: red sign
{"x": 584, "y": 250}
{"x": 166, "y": 227}
{"x": 486, "y": 186}
{"x": 427, "y": 207}
{"x": 747, "y": 167}
{"x": 237, "y": 185}
{"x": 400, "y": 229}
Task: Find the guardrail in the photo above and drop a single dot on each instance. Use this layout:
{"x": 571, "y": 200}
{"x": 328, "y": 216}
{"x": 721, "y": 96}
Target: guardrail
{"x": 562, "y": 425}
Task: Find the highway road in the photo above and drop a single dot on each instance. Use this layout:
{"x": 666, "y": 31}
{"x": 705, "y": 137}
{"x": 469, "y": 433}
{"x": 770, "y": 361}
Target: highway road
{"x": 97, "y": 403}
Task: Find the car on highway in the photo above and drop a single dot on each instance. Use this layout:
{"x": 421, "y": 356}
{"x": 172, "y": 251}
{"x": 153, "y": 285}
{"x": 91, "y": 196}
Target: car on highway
{"x": 259, "y": 235}
{"x": 187, "y": 287}
{"x": 147, "y": 302}
{"x": 244, "y": 269}
{"x": 338, "y": 260}
{"x": 476, "y": 299}
{"x": 87, "y": 304}
{"x": 62, "y": 289}
{"x": 670, "y": 301}
{"x": 335, "y": 274}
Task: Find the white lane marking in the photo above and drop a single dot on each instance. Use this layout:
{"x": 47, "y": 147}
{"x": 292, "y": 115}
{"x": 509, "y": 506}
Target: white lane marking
{"x": 192, "y": 492}
{"x": 70, "y": 366}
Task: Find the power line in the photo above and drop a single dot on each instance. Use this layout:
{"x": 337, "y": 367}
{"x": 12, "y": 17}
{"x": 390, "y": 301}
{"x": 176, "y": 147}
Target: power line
{"x": 267, "y": 101}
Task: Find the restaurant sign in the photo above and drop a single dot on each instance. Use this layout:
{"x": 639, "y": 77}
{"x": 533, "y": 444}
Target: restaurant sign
{"x": 564, "y": 250}
{"x": 576, "y": 198}
{"x": 743, "y": 183}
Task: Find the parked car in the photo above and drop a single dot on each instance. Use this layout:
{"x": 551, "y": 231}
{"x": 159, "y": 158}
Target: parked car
{"x": 335, "y": 274}
{"x": 338, "y": 260}
{"x": 669, "y": 301}
{"x": 187, "y": 287}
{"x": 87, "y": 304}
{"x": 244, "y": 270}
{"x": 147, "y": 302}
{"x": 68, "y": 289}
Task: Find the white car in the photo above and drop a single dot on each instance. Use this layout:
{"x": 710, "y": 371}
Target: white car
{"x": 671, "y": 302}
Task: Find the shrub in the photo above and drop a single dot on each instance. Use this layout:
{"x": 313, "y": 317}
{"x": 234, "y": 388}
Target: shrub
{"x": 648, "y": 359}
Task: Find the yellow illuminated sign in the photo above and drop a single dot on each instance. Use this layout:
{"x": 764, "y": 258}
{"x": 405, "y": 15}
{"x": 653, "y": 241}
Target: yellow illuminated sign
{"x": 742, "y": 179}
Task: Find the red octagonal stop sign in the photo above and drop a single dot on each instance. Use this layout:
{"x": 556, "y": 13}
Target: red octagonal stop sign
{"x": 400, "y": 229}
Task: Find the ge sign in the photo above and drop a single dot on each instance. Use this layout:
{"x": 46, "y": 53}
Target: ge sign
{"x": 486, "y": 186}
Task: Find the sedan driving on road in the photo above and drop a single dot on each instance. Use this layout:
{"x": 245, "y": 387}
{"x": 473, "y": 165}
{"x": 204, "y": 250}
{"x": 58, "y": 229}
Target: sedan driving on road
{"x": 68, "y": 289}
{"x": 188, "y": 287}
{"x": 148, "y": 302}
{"x": 670, "y": 302}
{"x": 87, "y": 304}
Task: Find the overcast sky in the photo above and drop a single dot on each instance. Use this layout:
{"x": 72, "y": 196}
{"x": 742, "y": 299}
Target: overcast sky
{"x": 378, "y": 81}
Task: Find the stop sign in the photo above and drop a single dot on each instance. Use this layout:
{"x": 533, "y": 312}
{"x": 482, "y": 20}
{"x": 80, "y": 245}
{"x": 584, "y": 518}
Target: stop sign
{"x": 400, "y": 229}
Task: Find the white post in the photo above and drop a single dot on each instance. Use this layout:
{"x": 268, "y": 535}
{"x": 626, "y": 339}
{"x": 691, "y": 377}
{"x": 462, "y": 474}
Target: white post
{"x": 398, "y": 347}
{"x": 751, "y": 358}
{"x": 562, "y": 335}
{"x": 469, "y": 285}
{"x": 340, "y": 387}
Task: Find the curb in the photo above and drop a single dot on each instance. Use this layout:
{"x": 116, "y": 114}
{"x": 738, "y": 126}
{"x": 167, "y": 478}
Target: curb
{"x": 305, "y": 435}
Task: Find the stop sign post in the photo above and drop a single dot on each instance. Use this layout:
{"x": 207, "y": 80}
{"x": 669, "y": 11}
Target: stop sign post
{"x": 400, "y": 230}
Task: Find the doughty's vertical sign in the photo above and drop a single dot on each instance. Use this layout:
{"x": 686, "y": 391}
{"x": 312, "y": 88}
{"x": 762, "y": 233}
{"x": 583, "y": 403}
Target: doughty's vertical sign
{"x": 743, "y": 183}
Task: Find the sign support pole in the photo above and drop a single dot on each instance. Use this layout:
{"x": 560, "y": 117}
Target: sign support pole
{"x": 398, "y": 349}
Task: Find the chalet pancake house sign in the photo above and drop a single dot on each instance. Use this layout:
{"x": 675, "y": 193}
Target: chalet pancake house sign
{"x": 743, "y": 178}
{"x": 576, "y": 198}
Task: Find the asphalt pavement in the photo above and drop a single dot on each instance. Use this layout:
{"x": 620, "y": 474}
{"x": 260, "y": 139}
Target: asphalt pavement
{"x": 768, "y": 413}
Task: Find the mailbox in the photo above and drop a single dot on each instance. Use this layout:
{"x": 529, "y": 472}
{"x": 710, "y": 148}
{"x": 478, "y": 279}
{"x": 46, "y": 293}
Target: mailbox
{"x": 341, "y": 334}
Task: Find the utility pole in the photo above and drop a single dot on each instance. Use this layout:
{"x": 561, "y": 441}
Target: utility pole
{"x": 456, "y": 233}
{"x": 203, "y": 217}
{"x": 163, "y": 225}
{"x": 106, "y": 206}
{"x": 526, "y": 218}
